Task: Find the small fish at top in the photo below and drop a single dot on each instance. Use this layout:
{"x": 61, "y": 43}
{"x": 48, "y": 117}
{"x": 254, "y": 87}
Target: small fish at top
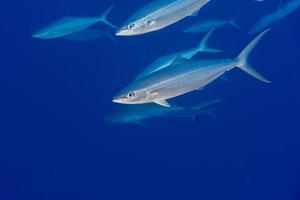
{"x": 138, "y": 114}
{"x": 167, "y": 60}
{"x": 70, "y": 25}
{"x": 206, "y": 25}
{"x": 281, "y": 13}
{"x": 159, "y": 14}
{"x": 184, "y": 76}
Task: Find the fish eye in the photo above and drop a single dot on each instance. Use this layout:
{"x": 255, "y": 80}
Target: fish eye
{"x": 130, "y": 95}
{"x": 131, "y": 26}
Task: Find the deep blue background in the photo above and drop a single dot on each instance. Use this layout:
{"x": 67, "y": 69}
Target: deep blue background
{"x": 54, "y": 95}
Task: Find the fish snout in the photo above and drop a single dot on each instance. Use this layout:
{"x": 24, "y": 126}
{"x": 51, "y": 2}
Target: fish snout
{"x": 40, "y": 35}
{"x": 123, "y": 32}
{"x": 37, "y": 35}
{"x": 116, "y": 100}
{"x": 119, "y": 99}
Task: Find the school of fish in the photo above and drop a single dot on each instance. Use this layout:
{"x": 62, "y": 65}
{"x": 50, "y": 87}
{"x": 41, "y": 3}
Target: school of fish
{"x": 169, "y": 76}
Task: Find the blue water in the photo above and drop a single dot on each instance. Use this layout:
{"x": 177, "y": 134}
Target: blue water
{"x": 55, "y": 94}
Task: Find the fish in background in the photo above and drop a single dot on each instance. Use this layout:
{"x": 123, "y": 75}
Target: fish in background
{"x": 137, "y": 114}
{"x": 89, "y": 34}
{"x": 208, "y": 24}
{"x": 159, "y": 14}
{"x": 167, "y": 60}
{"x": 281, "y": 13}
{"x": 184, "y": 76}
{"x": 70, "y": 25}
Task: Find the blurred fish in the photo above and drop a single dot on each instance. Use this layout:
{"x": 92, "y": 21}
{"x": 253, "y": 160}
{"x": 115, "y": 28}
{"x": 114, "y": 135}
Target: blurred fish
{"x": 159, "y": 14}
{"x": 207, "y": 25}
{"x": 137, "y": 114}
{"x": 69, "y": 25}
{"x": 165, "y": 61}
{"x": 184, "y": 76}
{"x": 267, "y": 20}
{"x": 89, "y": 34}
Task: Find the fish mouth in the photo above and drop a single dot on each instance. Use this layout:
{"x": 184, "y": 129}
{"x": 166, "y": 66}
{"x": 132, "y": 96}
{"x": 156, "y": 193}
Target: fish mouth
{"x": 39, "y": 35}
{"x": 125, "y": 32}
{"x": 36, "y": 35}
{"x": 119, "y": 100}
{"x": 122, "y": 32}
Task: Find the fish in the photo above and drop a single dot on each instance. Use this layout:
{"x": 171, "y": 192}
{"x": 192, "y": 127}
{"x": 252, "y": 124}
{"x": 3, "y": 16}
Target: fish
{"x": 165, "y": 61}
{"x": 89, "y": 34}
{"x": 70, "y": 25}
{"x": 281, "y": 13}
{"x": 137, "y": 114}
{"x": 158, "y": 15}
{"x": 185, "y": 76}
{"x": 208, "y": 24}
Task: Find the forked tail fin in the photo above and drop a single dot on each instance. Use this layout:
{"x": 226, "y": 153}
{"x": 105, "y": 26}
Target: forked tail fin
{"x": 103, "y": 17}
{"x": 244, "y": 55}
{"x": 203, "y": 44}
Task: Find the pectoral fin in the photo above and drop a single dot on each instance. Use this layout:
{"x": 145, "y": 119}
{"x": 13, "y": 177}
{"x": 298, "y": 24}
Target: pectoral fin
{"x": 162, "y": 102}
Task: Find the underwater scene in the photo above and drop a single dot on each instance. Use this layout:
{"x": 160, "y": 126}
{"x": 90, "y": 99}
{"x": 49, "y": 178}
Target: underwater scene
{"x": 150, "y": 99}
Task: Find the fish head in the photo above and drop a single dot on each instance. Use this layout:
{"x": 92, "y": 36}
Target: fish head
{"x": 45, "y": 34}
{"x": 131, "y": 96}
{"x": 136, "y": 28}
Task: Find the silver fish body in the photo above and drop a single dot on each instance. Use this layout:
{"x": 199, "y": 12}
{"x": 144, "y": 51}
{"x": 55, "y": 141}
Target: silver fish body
{"x": 207, "y": 25}
{"x": 184, "y": 76}
{"x": 167, "y": 60}
{"x": 139, "y": 113}
{"x": 283, "y": 12}
{"x": 70, "y": 25}
{"x": 159, "y": 14}
{"x": 65, "y": 26}
{"x": 177, "y": 80}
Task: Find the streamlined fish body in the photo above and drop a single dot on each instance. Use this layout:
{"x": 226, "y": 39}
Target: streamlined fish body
{"x": 167, "y": 60}
{"x": 70, "y": 25}
{"x": 89, "y": 34}
{"x": 184, "y": 76}
{"x": 159, "y": 14}
{"x": 139, "y": 113}
{"x": 207, "y": 25}
{"x": 267, "y": 20}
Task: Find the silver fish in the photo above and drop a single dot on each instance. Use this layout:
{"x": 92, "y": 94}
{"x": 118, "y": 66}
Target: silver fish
{"x": 207, "y": 25}
{"x": 137, "y": 114}
{"x": 267, "y": 20}
{"x": 183, "y": 77}
{"x": 70, "y": 25}
{"x": 159, "y": 14}
{"x": 167, "y": 60}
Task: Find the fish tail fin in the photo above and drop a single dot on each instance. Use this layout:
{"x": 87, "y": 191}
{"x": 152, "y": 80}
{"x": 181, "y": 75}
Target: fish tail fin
{"x": 203, "y": 44}
{"x": 242, "y": 59}
{"x": 103, "y": 17}
{"x": 234, "y": 24}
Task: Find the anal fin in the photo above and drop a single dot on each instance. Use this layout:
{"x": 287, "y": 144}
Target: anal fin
{"x": 162, "y": 102}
